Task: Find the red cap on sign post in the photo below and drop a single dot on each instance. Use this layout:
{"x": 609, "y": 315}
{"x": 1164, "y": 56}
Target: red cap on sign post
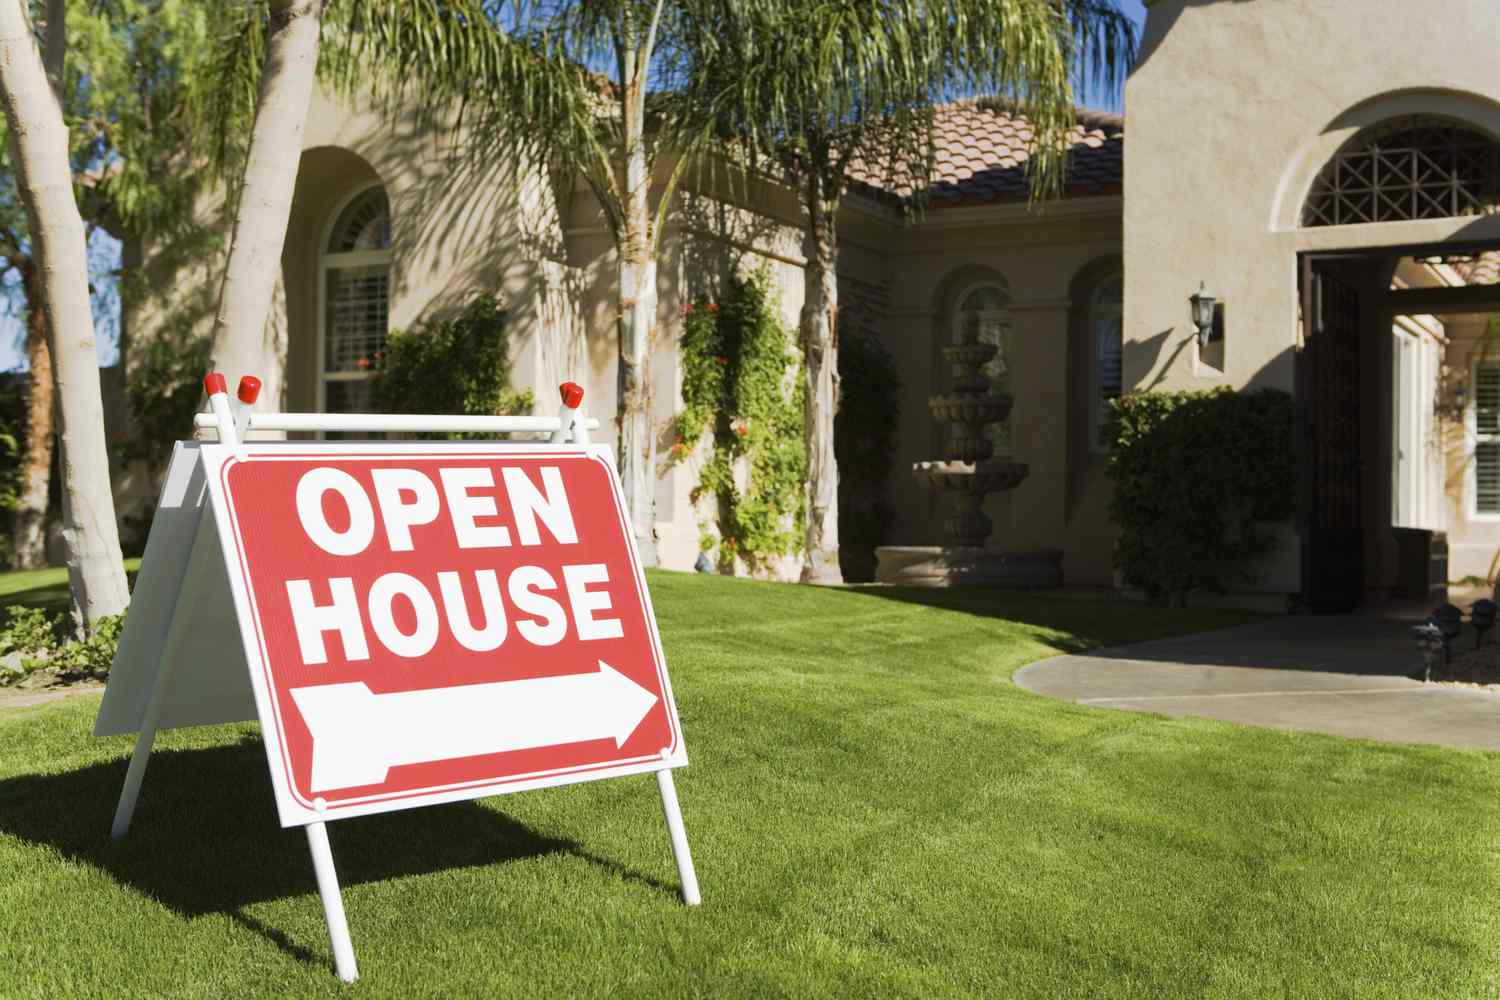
{"x": 214, "y": 384}
{"x": 572, "y": 394}
{"x": 249, "y": 389}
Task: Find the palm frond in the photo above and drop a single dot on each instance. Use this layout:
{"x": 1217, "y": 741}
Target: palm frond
{"x": 828, "y": 82}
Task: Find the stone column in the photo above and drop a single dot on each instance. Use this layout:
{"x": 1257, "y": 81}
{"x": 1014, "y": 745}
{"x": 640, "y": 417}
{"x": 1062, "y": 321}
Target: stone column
{"x": 1037, "y": 510}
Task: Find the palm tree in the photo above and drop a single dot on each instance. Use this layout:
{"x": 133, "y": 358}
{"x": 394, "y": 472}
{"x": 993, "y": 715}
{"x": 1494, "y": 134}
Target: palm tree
{"x": 525, "y": 80}
{"x": 30, "y": 90}
{"x": 292, "y": 29}
{"x": 623, "y": 98}
{"x": 820, "y": 87}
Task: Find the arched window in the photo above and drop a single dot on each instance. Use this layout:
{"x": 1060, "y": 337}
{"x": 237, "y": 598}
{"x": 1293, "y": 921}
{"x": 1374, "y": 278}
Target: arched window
{"x": 1106, "y": 322}
{"x": 1411, "y": 167}
{"x": 983, "y": 316}
{"x": 356, "y": 271}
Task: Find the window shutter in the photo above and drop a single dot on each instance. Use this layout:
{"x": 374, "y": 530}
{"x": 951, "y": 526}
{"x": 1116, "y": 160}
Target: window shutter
{"x": 1487, "y": 479}
{"x": 1487, "y": 429}
{"x": 1487, "y": 399}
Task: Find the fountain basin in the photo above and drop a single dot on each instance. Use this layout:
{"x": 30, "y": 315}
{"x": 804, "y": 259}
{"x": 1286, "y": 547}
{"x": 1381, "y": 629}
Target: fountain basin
{"x": 971, "y": 354}
{"x": 962, "y": 409}
{"x": 990, "y": 476}
{"x": 951, "y": 566}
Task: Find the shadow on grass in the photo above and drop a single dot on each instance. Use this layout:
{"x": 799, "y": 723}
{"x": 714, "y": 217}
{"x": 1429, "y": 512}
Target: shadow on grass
{"x": 206, "y": 839}
{"x": 1079, "y": 623}
{"x": 1067, "y": 621}
{"x": 52, "y": 597}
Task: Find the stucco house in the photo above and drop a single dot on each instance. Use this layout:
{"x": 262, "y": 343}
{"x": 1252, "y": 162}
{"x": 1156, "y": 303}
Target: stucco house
{"x": 1340, "y": 205}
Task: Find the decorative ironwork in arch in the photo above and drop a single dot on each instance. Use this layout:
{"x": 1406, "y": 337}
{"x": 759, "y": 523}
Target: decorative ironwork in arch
{"x": 1412, "y": 167}
{"x": 365, "y": 224}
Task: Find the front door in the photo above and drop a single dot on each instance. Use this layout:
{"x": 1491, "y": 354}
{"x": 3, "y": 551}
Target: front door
{"x": 1329, "y": 384}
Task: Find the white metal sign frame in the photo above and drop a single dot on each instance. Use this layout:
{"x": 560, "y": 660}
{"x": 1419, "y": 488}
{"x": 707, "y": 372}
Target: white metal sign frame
{"x": 178, "y": 589}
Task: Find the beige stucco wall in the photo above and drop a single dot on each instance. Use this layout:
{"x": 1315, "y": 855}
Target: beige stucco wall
{"x": 1039, "y": 260}
{"x": 458, "y": 231}
{"x": 1233, "y": 108}
{"x": 459, "y": 227}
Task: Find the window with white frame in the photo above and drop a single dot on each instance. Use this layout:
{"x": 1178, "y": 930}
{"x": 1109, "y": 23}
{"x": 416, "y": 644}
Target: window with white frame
{"x": 1486, "y": 416}
{"x": 984, "y": 314}
{"x": 1106, "y": 325}
{"x": 356, "y": 264}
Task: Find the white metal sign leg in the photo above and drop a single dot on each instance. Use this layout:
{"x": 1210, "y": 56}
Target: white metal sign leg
{"x": 144, "y": 740}
{"x": 678, "y": 834}
{"x": 125, "y": 811}
{"x": 333, "y": 903}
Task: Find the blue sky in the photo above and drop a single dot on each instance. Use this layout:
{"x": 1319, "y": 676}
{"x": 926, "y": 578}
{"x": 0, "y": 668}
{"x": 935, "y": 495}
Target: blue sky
{"x": 1136, "y": 11}
{"x": 104, "y": 256}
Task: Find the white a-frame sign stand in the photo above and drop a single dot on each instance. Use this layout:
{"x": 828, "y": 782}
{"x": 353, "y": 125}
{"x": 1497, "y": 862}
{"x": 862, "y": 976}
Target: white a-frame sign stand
{"x": 499, "y": 577}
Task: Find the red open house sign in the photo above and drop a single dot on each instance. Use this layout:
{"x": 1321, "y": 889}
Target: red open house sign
{"x": 428, "y": 624}
{"x": 418, "y": 622}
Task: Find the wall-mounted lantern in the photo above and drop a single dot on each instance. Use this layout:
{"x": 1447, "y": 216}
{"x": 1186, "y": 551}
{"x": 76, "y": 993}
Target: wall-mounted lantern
{"x": 1203, "y": 313}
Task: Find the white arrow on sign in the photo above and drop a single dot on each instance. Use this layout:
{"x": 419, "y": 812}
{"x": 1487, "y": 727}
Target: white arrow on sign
{"x": 359, "y": 735}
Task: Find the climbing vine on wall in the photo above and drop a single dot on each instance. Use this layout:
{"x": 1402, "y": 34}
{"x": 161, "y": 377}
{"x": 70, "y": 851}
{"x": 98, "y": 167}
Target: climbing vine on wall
{"x": 742, "y": 392}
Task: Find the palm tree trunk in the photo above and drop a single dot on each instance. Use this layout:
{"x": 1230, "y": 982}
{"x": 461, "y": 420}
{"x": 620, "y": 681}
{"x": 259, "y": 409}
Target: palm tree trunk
{"x": 820, "y": 306}
{"x": 29, "y": 534}
{"x": 39, "y": 149}
{"x": 241, "y": 329}
{"x": 637, "y": 324}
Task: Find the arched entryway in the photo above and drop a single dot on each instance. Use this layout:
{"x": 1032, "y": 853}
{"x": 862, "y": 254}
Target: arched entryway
{"x": 338, "y": 268}
{"x": 1361, "y": 378}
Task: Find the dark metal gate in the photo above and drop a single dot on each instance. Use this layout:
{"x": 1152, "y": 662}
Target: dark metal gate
{"x": 1329, "y": 393}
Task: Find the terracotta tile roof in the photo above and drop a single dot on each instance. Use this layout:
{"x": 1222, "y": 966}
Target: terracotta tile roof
{"x": 981, "y": 153}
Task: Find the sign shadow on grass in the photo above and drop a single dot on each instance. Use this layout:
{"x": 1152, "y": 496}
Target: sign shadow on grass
{"x": 206, "y": 840}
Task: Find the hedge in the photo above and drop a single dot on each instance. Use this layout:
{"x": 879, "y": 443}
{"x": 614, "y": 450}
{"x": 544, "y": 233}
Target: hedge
{"x": 1198, "y": 478}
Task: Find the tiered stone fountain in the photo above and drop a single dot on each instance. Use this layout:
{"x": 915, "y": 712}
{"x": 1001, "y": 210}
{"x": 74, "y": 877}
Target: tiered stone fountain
{"x": 969, "y": 473}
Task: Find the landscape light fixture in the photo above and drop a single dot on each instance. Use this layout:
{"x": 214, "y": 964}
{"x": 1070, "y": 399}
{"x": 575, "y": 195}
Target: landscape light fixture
{"x": 1482, "y": 617}
{"x": 1430, "y": 641}
{"x": 1203, "y": 313}
{"x": 1450, "y": 622}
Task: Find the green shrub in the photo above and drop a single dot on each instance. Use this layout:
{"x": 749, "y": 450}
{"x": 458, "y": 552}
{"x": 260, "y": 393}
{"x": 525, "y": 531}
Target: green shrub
{"x": 27, "y": 637}
{"x": 12, "y": 434}
{"x": 457, "y": 365}
{"x": 864, "y": 431}
{"x": 742, "y": 381}
{"x": 162, "y": 392}
{"x": 1197, "y": 477}
{"x": 92, "y": 655}
{"x": 32, "y": 639}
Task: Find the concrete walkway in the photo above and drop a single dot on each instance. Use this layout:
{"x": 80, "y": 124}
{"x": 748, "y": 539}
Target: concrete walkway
{"x": 1345, "y": 675}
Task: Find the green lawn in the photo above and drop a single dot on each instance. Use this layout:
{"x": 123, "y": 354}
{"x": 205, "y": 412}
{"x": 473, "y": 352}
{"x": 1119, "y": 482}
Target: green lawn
{"x": 874, "y": 810}
{"x": 43, "y": 588}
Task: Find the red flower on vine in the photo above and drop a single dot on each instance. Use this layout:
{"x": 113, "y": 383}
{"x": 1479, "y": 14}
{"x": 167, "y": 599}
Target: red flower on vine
{"x": 721, "y": 359}
{"x": 362, "y": 363}
{"x": 713, "y": 307}
{"x": 687, "y": 308}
